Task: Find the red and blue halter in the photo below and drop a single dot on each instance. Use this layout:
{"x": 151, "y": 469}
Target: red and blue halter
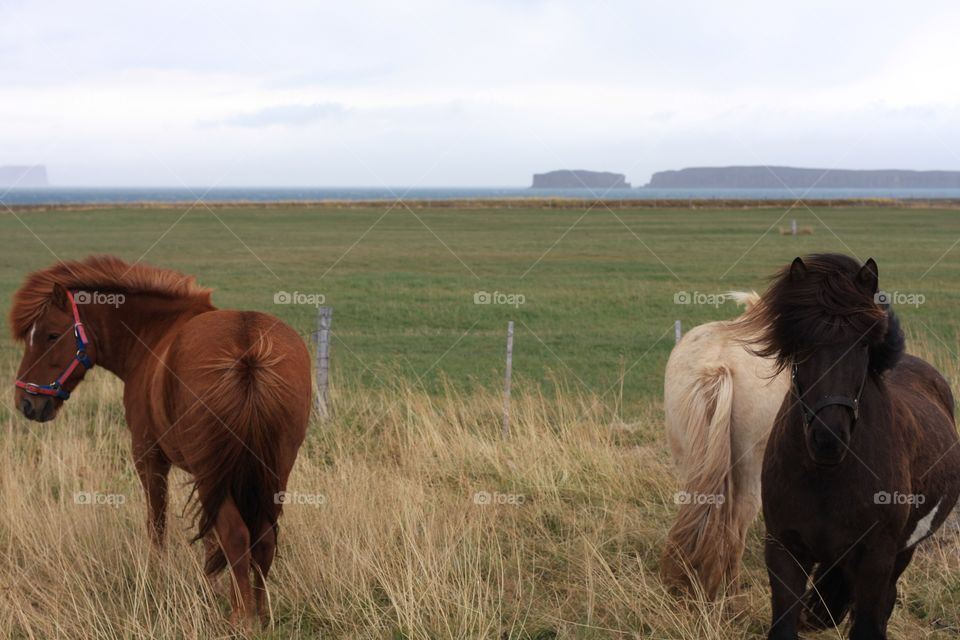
{"x": 55, "y": 388}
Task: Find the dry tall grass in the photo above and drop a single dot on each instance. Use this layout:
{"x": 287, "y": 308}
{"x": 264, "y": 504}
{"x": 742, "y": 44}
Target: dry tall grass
{"x": 387, "y": 534}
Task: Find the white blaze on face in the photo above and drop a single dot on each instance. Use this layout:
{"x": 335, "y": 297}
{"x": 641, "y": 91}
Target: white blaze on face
{"x": 924, "y": 525}
{"x": 33, "y": 330}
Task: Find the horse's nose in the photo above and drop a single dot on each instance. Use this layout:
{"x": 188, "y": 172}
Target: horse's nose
{"x": 828, "y": 446}
{"x": 47, "y": 410}
{"x": 826, "y": 440}
{"x": 27, "y": 408}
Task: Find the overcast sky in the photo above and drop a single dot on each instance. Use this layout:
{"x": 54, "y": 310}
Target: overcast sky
{"x": 470, "y": 93}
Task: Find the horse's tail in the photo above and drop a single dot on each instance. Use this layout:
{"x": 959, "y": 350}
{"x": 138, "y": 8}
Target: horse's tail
{"x": 238, "y": 456}
{"x": 703, "y": 546}
{"x": 746, "y": 299}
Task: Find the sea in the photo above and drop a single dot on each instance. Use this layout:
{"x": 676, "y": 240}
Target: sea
{"x": 129, "y": 195}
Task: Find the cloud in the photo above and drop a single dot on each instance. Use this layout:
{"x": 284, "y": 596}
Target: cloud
{"x": 288, "y": 115}
{"x": 468, "y": 93}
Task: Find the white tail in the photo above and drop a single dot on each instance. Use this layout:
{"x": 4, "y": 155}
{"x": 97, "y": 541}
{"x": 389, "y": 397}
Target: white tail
{"x": 746, "y": 299}
{"x": 704, "y": 539}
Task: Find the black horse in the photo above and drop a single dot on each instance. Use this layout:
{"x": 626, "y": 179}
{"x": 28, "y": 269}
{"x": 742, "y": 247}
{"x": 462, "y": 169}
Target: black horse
{"x": 862, "y": 463}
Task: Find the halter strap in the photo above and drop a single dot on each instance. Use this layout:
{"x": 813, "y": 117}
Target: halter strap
{"x": 55, "y": 388}
{"x": 810, "y": 412}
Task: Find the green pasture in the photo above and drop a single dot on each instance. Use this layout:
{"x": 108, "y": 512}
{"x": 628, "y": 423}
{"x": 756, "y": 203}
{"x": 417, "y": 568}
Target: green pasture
{"x": 598, "y": 285}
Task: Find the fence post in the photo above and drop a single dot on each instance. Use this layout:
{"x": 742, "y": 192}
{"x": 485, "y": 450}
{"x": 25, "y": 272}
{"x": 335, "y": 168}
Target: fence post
{"x": 677, "y": 333}
{"x": 508, "y": 375}
{"x": 325, "y": 317}
{"x": 793, "y": 227}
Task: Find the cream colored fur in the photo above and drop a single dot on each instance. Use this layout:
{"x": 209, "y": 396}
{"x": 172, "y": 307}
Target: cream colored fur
{"x": 720, "y": 402}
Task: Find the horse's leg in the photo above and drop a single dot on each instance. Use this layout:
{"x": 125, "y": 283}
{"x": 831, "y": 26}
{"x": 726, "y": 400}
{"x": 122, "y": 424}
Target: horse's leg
{"x": 153, "y": 467}
{"x": 827, "y": 602}
{"x": 787, "y": 572}
{"x": 903, "y": 559}
{"x": 746, "y": 493}
{"x": 235, "y": 541}
{"x": 263, "y": 550}
{"x": 211, "y": 547}
{"x": 872, "y": 576}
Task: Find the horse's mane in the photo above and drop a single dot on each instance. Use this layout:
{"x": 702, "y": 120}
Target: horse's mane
{"x": 886, "y": 354}
{"x": 101, "y": 273}
{"x": 826, "y": 306}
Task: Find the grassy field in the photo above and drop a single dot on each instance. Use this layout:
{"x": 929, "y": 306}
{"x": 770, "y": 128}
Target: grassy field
{"x": 393, "y": 538}
{"x": 598, "y": 286}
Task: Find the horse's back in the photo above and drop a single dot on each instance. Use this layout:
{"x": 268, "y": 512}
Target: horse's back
{"x": 218, "y": 333}
{"x": 212, "y": 336}
{"x": 920, "y": 379}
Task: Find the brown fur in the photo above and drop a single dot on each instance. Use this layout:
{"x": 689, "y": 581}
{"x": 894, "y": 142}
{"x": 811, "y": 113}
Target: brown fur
{"x": 224, "y": 395}
{"x": 822, "y": 473}
{"x": 795, "y": 318}
{"x": 102, "y": 273}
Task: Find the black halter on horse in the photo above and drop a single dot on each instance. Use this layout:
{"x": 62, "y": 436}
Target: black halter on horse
{"x": 810, "y": 412}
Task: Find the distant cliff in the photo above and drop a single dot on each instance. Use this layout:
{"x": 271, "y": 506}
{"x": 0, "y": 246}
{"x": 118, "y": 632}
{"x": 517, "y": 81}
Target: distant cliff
{"x": 26, "y": 177}
{"x": 794, "y": 178}
{"x": 579, "y": 179}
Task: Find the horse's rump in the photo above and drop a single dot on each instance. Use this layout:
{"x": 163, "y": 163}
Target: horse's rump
{"x": 243, "y": 388}
{"x": 719, "y": 404}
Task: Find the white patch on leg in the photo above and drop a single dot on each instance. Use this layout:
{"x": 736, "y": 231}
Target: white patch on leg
{"x": 923, "y": 526}
{"x": 33, "y": 330}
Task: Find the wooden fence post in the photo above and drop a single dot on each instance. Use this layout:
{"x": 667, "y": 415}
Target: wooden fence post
{"x": 325, "y": 317}
{"x": 677, "y": 333}
{"x": 507, "y": 381}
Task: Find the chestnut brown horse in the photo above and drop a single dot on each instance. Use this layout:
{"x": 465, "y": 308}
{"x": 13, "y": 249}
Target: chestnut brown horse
{"x": 225, "y": 395}
{"x": 862, "y": 463}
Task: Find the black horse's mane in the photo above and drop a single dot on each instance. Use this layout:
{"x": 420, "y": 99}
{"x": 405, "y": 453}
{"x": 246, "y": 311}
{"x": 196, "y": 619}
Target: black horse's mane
{"x": 823, "y": 302}
{"x": 887, "y": 353}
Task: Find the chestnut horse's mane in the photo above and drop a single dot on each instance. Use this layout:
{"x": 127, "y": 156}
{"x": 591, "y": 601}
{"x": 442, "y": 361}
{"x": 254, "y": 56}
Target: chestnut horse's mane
{"x": 101, "y": 273}
{"x": 827, "y": 306}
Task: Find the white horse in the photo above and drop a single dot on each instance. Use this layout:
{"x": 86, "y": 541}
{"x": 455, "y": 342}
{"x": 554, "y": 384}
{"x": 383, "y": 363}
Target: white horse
{"x": 720, "y": 402}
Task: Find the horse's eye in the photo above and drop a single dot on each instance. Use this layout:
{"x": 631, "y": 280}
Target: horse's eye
{"x": 53, "y": 337}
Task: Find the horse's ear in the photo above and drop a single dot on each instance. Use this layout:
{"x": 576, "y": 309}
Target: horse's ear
{"x": 869, "y": 276}
{"x": 59, "y": 297}
{"x": 798, "y": 270}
